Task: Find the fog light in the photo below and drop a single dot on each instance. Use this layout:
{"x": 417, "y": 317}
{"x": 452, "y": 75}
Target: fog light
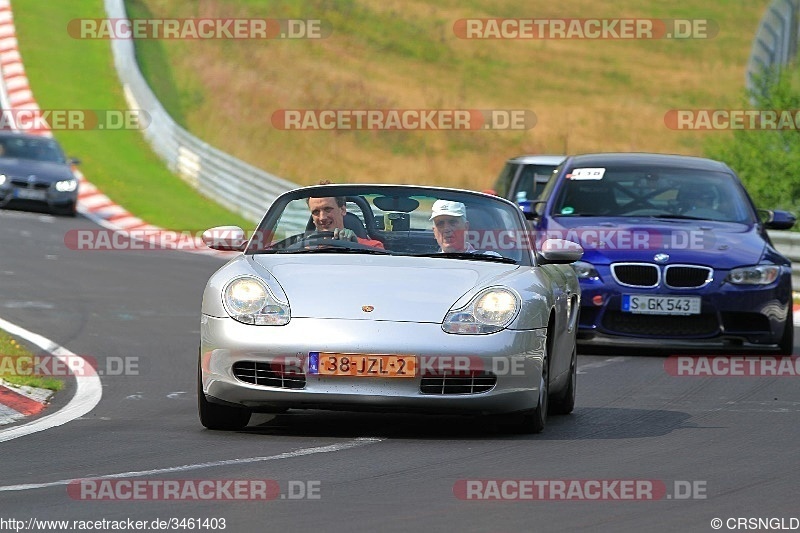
{"x": 597, "y": 299}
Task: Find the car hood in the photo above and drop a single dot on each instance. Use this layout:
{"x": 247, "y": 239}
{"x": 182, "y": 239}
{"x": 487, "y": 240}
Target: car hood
{"x": 401, "y": 289}
{"x": 719, "y": 244}
{"x": 43, "y": 170}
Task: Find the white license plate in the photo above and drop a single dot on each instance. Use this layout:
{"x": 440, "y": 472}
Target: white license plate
{"x": 30, "y": 194}
{"x": 661, "y": 305}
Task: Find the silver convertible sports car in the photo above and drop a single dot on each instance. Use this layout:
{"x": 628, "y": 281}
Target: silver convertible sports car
{"x": 389, "y": 298}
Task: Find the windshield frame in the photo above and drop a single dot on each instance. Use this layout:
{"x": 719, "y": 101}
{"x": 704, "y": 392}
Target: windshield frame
{"x": 510, "y": 212}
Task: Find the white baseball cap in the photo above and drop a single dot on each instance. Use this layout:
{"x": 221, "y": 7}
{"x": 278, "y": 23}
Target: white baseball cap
{"x": 446, "y": 207}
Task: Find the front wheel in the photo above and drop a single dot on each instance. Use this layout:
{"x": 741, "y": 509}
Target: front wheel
{"x": 534, "y": 420}
{"x": 786, "y": 344}
{"x": 220, "y": 417}
{"x": 564, "y": 402}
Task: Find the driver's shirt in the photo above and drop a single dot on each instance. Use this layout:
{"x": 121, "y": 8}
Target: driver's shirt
{"x": 370, "y": 242}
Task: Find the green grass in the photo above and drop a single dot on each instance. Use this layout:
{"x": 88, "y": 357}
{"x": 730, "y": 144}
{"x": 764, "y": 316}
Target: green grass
{"x": 588, "y": 95}
{"x": 67, "y": 73}
{"x": 14, "y": 372}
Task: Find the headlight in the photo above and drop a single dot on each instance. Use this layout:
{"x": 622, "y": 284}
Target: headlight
{"x": 2, "y": 179}
{"x": 66, "y": 185}
{"x": 247, "y": 300}
{"x": 754, "y": 275}
{"x": 489, "y": 312}
{"x": 585, "y": 270}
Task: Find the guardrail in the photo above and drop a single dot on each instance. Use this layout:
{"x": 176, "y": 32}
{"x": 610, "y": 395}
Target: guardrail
{"x": 775, "y": 42}
{"x": 239, "y": 186}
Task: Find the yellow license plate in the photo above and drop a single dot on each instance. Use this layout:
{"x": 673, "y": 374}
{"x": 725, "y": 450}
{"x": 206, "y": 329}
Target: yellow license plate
{"x": 361, "y": 365}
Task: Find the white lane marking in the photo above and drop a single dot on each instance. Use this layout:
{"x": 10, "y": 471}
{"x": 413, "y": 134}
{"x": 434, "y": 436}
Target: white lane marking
{"x": 87, "y": 394}
{"x": 198, "y": 466}
{"x": 599, "y": 364}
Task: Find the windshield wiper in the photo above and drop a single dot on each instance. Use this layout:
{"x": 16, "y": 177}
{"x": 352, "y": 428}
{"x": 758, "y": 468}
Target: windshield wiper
{"x": 677, "y": 217}
{"x": 476, "y": 256}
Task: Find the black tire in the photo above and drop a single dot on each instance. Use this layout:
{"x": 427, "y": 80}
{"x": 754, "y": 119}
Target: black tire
{"x": 786, "y": 344}
{"x": 219, "y": 417}
{"x": 534, "y": 420}
{"x": 563, "y": 403}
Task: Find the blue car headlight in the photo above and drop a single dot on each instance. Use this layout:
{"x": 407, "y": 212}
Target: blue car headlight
{"x": 488, "y": 312}
{"x": 585, "y": 270}
{"x": 754, "y": 275}
{"x": 249, "y": 301}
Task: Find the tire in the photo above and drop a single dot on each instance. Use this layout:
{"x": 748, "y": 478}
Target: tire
{"x": 563, "y": 403}
{"x": 786, "y": 344}
{"x": 534, "y": 420}
{"x": 219, "y": 417}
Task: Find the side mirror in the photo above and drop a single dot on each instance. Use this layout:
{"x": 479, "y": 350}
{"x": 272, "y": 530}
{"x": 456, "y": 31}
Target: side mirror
{"x": 73, "y": 161}
{"x": 225, "y": 238}
{"x": 559, "y": 251}
{"x": 777, "y": 219}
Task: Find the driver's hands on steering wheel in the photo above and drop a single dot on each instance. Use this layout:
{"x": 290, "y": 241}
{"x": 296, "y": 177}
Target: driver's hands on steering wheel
{"x": 344, "y": 234}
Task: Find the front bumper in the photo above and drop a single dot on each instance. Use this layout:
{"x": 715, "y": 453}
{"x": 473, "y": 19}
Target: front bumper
{"x": 514, "y": 357}
{"x": 731, "y": 316}
{"x": 50, "y": 198}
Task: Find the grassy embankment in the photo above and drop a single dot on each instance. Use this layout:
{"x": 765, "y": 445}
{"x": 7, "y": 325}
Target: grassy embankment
{"x": 588, "y": 95}
{"x": 69, "y": 73}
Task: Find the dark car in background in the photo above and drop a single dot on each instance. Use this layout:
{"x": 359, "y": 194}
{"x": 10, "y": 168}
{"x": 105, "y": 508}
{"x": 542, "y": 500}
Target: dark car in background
{"x": 676, "y": 252}
{"x": 525, "y": 176}
{"x": 35, "y": 173}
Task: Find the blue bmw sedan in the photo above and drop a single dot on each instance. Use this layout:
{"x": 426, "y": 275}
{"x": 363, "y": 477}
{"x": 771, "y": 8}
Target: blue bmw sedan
{"x": 676, "y": 253}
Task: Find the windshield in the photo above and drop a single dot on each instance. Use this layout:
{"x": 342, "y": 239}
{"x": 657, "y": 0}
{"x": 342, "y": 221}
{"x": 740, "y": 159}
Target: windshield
{"x": 393, "y": 220}
{"x": 36, "y": 149}
{"x": 532, "y": 181}
{"x": 654, "y": 192}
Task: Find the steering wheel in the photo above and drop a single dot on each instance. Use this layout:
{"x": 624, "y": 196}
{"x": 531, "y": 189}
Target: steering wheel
{"x": 315, "y": 239}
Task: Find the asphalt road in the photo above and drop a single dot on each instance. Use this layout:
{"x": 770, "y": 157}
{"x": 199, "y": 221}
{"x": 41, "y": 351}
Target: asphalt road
{"x": 733, "y": 439}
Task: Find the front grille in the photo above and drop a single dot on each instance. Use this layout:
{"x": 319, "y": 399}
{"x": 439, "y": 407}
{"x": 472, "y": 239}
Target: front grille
{"x": 636, "y": 274}
{"x": 269, "y": 374}
{"x": 687, "y": 276}
{"x": 661, "y": 325}
{"x": 472, "y": 382}
{"x": 23, "y": 184}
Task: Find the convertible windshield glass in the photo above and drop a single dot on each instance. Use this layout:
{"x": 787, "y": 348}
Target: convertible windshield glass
{"x": 667, "y": 193}
{"x": 394, "y": 220}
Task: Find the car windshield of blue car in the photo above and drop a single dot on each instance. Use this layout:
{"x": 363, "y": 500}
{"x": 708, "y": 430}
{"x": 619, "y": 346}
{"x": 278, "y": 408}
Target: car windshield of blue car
{"x": 659, "y": 193}
{"x": 394, "y": 220}
{"x": 34, "y": 149}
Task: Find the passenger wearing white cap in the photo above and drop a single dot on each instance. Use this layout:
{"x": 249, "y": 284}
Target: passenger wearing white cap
{"x": 450, "y": 226}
